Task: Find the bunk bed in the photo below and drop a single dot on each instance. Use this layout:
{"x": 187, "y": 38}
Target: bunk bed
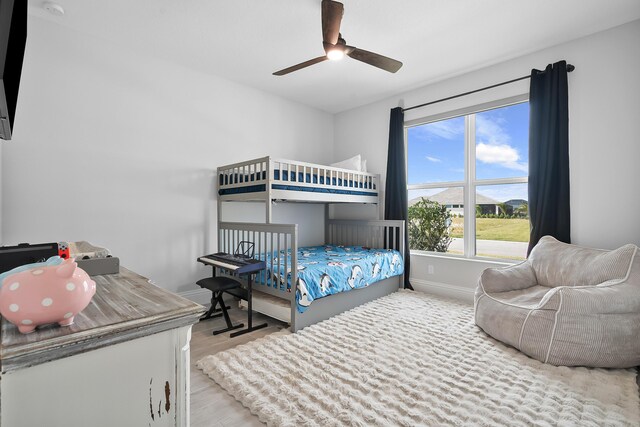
{"x": 369, "y": 252}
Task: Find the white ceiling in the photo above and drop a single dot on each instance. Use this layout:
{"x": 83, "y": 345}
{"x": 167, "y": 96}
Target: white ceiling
{"x": 246, "y": 40}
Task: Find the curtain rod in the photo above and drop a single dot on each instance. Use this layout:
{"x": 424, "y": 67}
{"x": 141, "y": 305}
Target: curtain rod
{"x": 570, "y": 68}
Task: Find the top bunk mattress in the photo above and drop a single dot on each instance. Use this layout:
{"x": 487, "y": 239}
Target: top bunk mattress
{"x": 327, "y": 270}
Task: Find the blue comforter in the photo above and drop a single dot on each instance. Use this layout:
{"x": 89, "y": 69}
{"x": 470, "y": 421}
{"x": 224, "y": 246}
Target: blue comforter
{"x": 327, "y": 270}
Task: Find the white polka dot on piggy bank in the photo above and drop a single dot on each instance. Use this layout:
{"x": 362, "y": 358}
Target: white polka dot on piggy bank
{"x": 51, "y": 292}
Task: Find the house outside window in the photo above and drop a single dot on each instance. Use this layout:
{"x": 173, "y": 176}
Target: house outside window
{"x": 468, "y": 181}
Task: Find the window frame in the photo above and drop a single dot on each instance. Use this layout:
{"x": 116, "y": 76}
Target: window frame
{"x": 470, "y": 183}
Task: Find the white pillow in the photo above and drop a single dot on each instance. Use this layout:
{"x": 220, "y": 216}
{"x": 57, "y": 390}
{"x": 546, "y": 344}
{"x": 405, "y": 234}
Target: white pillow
{"x": 363, "y": 166}
{"x": 354, "y": 163}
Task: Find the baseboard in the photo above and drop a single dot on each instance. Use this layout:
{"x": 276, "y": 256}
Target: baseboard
{"x": 203, "y": 297}
{"x": 199, "y": 296}
{"x": 443, "y": 289}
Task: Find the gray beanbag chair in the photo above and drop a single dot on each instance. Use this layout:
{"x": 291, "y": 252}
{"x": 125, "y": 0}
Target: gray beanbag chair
{"x": 566, "y": 305}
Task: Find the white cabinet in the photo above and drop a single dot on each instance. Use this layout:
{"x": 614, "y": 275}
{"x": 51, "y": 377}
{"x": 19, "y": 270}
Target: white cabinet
{"x": 124, "y": 363}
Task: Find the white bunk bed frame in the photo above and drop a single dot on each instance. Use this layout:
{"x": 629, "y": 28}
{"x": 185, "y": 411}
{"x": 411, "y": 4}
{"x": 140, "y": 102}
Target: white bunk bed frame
{"x": 282, "y": 238}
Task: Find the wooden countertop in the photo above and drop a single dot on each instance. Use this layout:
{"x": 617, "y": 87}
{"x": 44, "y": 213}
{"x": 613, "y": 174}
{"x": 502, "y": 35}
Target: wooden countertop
{"x": 126, "y": 306}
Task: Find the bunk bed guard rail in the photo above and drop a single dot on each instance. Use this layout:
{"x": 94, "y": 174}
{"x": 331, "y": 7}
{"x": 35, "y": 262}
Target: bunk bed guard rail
{"x": 385, "y": 234}
{"x": 258, "y": 175}
{"x": 277, "y": 244}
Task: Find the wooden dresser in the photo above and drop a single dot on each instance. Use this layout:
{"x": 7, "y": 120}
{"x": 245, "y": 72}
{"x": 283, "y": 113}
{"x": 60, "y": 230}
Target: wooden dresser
{"x": 125, "y": 361}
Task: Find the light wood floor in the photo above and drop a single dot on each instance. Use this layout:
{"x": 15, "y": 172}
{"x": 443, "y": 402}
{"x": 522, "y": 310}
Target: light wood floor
{"x": 211, "y": 406}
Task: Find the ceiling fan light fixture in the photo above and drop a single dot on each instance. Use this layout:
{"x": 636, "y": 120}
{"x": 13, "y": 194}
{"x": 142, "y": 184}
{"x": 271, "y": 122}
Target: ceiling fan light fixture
{"x": 335, "y": 54}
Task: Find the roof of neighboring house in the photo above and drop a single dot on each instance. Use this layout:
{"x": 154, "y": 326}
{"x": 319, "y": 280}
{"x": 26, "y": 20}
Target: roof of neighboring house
{"x": 454, "y": 196}
{"x": 515, "y": 202}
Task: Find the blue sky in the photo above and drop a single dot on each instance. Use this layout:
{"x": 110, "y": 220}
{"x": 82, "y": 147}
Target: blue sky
{"x": 436, "y": 150}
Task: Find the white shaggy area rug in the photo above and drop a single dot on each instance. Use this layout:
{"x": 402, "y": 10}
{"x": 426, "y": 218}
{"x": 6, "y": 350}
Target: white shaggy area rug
{"x": 411, "y": 359}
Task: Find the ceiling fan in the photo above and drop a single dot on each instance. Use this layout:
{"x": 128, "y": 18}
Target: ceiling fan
{"x": 336, "y": 47}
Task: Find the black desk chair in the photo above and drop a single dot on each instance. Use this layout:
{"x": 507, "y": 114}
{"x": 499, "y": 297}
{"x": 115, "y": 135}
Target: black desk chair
{"x": 217, "y": 286}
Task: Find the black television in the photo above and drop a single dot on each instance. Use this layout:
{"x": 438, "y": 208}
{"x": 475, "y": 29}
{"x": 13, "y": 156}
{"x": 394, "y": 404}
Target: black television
{"x": 13, "y": 38}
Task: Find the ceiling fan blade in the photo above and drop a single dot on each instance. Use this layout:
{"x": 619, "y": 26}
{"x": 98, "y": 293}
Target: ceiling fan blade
{"x": 300, "y": 65}
{"x": 377, "y": 60}
{"x": 331, "y": 18}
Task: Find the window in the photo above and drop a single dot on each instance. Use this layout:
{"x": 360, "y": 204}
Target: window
{"x": 467, "y": 181}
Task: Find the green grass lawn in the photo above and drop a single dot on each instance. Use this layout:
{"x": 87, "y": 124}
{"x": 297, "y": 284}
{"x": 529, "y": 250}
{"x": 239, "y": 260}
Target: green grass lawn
{"x": 512, "y": 230}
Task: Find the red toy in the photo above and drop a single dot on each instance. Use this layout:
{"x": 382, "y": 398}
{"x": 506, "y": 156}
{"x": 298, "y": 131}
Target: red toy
{"x": 63, "y": 250}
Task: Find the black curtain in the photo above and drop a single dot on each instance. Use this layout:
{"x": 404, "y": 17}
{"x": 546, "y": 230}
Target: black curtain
{"x": 395, "y": 200}
{"x": 549, "y": 154}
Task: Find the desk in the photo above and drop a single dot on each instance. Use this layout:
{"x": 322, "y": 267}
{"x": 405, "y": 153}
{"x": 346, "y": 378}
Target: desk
{"x": 124, "y": 362}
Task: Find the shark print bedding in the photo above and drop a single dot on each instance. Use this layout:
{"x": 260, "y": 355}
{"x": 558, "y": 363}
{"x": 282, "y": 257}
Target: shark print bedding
{"x": 327, "y": 270}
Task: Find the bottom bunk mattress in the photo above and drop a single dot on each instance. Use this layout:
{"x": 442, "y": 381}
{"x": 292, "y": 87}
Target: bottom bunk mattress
{"x": 327, "y": 270}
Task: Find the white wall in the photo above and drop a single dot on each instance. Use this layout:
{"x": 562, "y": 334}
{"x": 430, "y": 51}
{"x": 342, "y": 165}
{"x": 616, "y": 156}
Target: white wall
{"x": 604, "y": 106}
{"x": 309, "y": 217}
{"x": 120, "y": 149}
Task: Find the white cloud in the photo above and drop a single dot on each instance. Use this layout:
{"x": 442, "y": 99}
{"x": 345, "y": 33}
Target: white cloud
{"x": 491, "y": 131}
{"x": 503, "y": 155}
{"x": 434, "y": 159}
{"x": 496, "y": 153}
{"x": 494, "y": 145}
{"x": 447, "y": 129}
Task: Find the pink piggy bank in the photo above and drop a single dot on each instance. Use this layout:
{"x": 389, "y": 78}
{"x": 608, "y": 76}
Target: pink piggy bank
{"x": 45, "y": 294}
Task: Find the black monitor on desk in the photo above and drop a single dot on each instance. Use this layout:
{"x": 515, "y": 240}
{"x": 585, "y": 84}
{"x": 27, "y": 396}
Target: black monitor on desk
{"x": 15, "y": 256}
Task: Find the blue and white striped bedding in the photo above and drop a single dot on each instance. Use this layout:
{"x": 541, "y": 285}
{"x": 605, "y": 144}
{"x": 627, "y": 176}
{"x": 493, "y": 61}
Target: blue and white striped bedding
{"x": 327, "y": 270}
